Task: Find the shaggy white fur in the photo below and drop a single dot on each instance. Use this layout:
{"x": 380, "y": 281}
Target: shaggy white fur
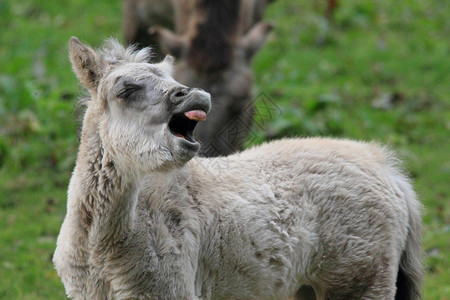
{"x": 147, "y": 220}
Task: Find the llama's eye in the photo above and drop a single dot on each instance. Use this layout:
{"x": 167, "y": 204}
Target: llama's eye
{"x": 128, "y": 90}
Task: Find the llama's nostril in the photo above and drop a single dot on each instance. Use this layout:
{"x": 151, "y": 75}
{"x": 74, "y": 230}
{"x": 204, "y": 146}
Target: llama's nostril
{"x": 180, "y": 94}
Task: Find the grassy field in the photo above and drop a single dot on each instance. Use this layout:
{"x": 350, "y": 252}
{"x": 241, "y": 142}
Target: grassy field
{"x": 379, "y": 71}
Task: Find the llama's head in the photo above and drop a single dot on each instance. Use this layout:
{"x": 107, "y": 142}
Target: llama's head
{"x": 142, "y": 116}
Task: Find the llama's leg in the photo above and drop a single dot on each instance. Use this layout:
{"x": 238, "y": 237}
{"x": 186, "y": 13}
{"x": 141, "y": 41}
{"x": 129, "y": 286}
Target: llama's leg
{"x": 363, "y": 279}
{"x": 383, "y": 287}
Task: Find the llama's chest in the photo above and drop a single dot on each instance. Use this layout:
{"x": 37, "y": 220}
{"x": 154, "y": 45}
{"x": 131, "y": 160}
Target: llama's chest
{"x": 242, "y": 244}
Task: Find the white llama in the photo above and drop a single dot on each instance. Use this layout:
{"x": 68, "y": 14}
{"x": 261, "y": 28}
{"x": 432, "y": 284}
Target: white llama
{"x": 148, "y": 220}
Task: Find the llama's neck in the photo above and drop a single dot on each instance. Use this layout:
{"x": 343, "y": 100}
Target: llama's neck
{"x": 107, "y": 196}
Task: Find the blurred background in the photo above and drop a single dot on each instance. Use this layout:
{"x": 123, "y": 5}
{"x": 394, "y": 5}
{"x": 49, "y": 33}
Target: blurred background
{"x": 374, "y": 70}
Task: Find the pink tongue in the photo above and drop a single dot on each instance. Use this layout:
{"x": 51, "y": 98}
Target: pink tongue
{"x": 196, "y": 115}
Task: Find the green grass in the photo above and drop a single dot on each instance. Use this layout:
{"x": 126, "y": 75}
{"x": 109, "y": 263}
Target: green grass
{"x": 378, "y": 71}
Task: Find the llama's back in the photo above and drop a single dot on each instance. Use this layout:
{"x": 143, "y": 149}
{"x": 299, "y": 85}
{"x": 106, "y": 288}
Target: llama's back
{"x": 288, "y": 159}
{"x": 298, "y": 154}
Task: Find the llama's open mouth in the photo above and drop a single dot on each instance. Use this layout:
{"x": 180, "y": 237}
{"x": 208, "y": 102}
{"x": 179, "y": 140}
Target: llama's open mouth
{"x": 182, "y": 125}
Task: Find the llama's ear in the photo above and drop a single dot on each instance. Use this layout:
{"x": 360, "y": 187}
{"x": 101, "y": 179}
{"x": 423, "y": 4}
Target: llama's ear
{"x": 86, "y": 63}
{"x": 255, "y": 38}
{"x": 171, "y": 42}
{"x": 167, "y": 64}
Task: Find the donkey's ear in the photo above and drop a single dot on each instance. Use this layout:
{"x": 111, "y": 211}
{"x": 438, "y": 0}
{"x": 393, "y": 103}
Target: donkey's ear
{"x": 86, "y": 63}
{"x": 171, "y": 42}
{"x": 255, "y": 38}
{"x": 166, "y": 65}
